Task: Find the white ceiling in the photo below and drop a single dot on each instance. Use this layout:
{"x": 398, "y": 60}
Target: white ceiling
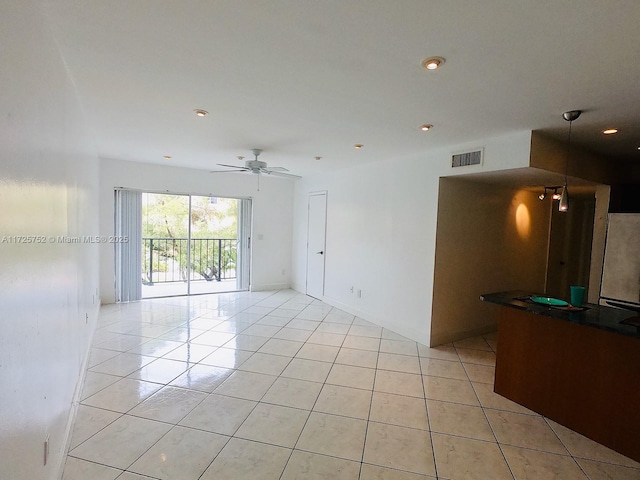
{"x": 306, "y": 78}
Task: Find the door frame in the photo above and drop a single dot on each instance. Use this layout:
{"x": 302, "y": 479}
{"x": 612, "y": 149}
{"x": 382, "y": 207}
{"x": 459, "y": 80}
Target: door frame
{"x": 323, "y": 193}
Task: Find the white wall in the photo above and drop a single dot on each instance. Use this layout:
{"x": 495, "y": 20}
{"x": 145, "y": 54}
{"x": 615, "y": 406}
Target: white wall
{"x": 48, "y": 176}
{"x": 272, "y": 213}
{"x": 381, "y": 225}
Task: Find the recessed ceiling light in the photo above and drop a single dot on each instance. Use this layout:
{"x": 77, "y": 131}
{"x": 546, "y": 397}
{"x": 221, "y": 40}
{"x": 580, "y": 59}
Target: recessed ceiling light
{"x": 432, "y": 63}
{"x": 167, "y": 157}
{"x": 317, "y": 158}
{"x": 358, "y": 146}
{"x": 426, "y": 127}
{"x": 201, "y": 113}
{"x": 610, "y": 131}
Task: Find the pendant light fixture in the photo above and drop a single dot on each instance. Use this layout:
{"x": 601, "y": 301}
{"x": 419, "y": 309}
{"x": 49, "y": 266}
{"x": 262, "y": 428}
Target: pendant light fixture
{"x": 569, "y": 116}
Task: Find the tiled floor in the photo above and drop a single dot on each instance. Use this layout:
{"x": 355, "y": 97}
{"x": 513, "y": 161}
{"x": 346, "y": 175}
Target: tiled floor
{"x": 276, "y": 385}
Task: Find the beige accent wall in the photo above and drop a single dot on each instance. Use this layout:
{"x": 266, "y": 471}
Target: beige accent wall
{"x": 551, "y": 155}
{"x": 488, "y": 239}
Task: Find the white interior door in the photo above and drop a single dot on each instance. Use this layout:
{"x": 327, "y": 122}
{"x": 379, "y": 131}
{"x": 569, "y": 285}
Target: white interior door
{"x": 316, "y": 244}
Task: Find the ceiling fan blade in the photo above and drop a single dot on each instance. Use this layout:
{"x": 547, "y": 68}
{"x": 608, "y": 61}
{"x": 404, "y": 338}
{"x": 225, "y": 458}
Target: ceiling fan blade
{"x": 228, "y": 171}
{"x": 233, "y": 166}
{"x": 278, "y": 169}
{"x": 279, "y": 174}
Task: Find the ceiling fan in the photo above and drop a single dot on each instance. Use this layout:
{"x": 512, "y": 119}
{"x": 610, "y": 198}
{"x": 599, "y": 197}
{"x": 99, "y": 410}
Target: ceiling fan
{"x": 257, "y": 166}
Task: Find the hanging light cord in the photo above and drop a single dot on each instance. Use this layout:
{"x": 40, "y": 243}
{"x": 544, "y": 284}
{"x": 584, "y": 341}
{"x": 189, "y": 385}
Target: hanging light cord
{"x": 566, "y": 165}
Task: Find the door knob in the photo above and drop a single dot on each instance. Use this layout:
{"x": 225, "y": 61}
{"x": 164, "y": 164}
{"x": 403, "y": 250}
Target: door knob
{"x": 320, "y": 252}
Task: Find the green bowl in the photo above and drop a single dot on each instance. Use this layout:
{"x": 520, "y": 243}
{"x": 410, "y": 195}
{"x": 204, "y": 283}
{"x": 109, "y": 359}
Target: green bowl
{"x": 552, "y": 302}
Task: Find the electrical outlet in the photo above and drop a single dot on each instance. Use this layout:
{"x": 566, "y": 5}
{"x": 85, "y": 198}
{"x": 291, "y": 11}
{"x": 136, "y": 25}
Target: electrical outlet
{"x": 359, "y": 293}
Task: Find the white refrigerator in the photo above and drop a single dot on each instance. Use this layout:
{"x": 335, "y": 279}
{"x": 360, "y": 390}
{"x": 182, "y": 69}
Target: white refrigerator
{"x": 621, "y": 270}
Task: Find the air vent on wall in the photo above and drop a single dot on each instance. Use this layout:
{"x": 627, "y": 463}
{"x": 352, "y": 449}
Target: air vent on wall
{"x": 465, "y": 159}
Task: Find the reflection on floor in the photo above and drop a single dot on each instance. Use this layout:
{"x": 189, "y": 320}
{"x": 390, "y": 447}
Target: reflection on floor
{"x": 276, "y": 385}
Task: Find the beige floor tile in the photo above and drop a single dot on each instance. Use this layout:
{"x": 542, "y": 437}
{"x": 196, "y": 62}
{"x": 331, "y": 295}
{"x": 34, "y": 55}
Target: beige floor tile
{"x": 309, "y": 370}
{"x": 265, "y": 363}
{"x": 460, "y": 458}
{"x": 226, "y": 358}
{"x": 122, "y": 442}
{"x": 247, "y": 385}
{"x": 122, "y": 396}
{"x": 460, "y": 420}
{"x": 161, "y": 371}
{"x": 474, "y": 343}
{"x": 244, "y": 341}
{"x": 244, "y": 459}
{"x": 99, "y": 355}
{"x": 398, "y": 363}
{"x": 399, "y": 410}
{"x": 441, "y": 352}
{"x": 357, "y": 358}
{"x": 322, "y": 353}
{"x": 326, "y": 338}
{"x": 374, "y": 472}
{"x": 318, "y": 467}
{"x": 89, "y": 421}
{"x": 361, "y": 343}
{"x": 278, "y": 346}
{"x": 290, "y": 392}
{"x": 94, "y": 382}
{"x": 170, "y": 404}
{"x": 480, "y": 373}
{"x": 203, "y": 378}
{"x": 399, "y": 383}
{"x": 607, "y": 471}
{"x": 350, "y": 376}
{"x": 333, "y": 435}
{"x": 442, "y": 368}
{"x": 183, "y": 453}
{"x": 329, "y": 327}
{"x": 468, "y": 355}
{"x": 293, "y": 334}
{"x": 489, "y": 399}
{"x": 526, "y": 431}
{"x": 219, "y": 414}
{"x": 401, "y": 347}
{"x": 401, "y": 448}
{"x": 273, "y": 424}
{"x": 350, "y": 402}
{"x": 123, "y": 364}
{"x": 78, "y": 469}
{"x": 449, "y": 390}
{"x": 536, "y": 465}
{"x": 365, "y": 331}
{"x": 582, "y": 447}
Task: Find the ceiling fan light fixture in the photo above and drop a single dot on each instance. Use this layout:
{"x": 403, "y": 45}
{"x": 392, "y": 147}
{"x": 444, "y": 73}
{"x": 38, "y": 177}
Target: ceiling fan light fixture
{"x": 200, "y": 113}
{"x": 432, "y": 63}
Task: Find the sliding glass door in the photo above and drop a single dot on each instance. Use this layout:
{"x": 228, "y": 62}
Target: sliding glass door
{"x": 191, "y": 244}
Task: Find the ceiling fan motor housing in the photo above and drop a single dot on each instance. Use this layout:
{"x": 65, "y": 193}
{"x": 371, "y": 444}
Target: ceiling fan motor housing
{"x": 255, "y": 165}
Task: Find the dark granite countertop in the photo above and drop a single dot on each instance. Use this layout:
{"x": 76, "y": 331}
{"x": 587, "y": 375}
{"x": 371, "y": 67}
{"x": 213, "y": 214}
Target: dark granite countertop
{"x": 597, "y": 316}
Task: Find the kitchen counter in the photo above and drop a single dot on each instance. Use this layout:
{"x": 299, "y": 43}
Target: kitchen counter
{"x": 597, "y": 316}
{"x": 578, "y": 368}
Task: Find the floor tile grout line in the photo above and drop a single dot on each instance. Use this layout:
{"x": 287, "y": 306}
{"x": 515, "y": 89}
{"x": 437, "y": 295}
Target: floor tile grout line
{"x": 426, "y": 407}
{"x": 484, "y": 413}
{"x": 366, "y": 431}
{"x": 310, "y": 412}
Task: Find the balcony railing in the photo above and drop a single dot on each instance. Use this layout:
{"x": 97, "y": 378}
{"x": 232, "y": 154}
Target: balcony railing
{"x": 166, "y": 259}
